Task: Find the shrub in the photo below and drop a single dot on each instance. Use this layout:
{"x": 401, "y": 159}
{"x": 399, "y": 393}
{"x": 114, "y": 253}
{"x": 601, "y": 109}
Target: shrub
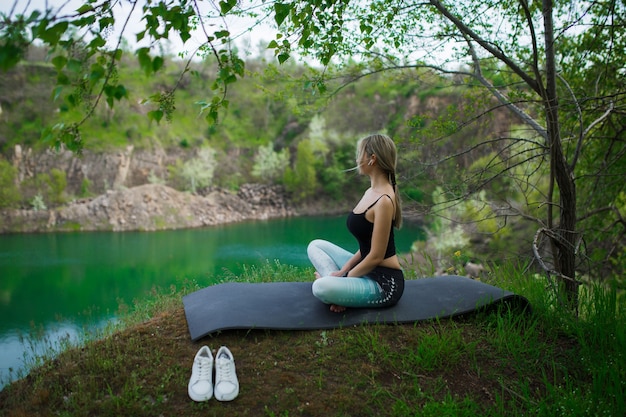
{"x": 301, "y": 180}
{"x": 269, "y": 165}
{"x": 85, "y": 187}
{"x": 57, "y": 183}
{"x": 196, "y": 172}
{"x": 9, "y": 193}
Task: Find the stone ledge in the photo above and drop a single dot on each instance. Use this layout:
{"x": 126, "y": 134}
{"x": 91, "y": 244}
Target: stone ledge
{"x": 153, "y": 207}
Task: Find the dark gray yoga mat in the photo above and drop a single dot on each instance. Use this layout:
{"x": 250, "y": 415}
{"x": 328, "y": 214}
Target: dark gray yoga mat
{"x": 291, "y": 305}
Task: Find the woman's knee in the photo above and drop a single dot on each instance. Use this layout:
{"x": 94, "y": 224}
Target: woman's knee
{"x": 318, "y": 244}
{"x": 322, "y": 287}
{"x": 314, "y": 245}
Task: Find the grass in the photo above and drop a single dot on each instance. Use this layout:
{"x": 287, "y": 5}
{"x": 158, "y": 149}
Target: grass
{"x": 499, "y": 363}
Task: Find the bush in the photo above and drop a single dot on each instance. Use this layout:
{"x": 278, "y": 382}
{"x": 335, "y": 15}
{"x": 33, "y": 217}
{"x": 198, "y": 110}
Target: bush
{"x": 196, "y": 172}
{"x": 9, "y": 193}
{"x": 85, "y": 188}
{"x": 301, "y": 180}
{"x": 57, "y": 183}
{"x": 269, "y": 165}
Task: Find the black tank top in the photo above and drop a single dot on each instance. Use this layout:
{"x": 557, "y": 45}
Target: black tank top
{"x": 362, "y": 229}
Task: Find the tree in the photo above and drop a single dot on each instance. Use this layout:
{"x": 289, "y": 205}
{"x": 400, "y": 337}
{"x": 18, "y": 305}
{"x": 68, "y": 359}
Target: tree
{"x": 86, "y": 59}
{"x": 558, "y": 65}
{"x": 301, "y": 180}
{"x": 196, "y": 172}
{"x": 545, "y": 50}
{"x": 269, "y": 165}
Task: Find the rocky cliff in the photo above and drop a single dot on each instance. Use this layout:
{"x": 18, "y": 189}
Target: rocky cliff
{"x": 104, "y": 171}
{"x": 152, "y": 207}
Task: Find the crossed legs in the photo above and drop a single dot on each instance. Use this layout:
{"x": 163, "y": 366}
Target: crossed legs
{"x": 339, "y": 292}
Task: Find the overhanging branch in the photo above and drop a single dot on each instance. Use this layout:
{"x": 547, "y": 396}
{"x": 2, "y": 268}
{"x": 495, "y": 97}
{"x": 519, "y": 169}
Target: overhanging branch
{"x": 477, "y": 74}
{"x": 497, "y": 53}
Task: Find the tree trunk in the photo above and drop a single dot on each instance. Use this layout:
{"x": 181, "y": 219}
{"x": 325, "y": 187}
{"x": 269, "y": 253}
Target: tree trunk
{"x": 565, "y": 236}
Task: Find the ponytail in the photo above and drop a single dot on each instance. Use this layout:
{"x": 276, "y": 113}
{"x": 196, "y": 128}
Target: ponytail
{"x": 397, "y": 221}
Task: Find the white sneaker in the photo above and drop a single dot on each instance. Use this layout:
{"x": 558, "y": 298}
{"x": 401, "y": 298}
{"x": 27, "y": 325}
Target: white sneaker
{"x": 226, "y": 384}
{"x": 200, "y": 386}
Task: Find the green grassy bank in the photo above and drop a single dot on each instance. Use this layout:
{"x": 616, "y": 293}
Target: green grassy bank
{"x": 544, "y": 363}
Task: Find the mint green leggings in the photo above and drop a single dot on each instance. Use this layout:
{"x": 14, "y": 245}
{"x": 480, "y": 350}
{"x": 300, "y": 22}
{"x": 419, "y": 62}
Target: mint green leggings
{"x": 382, "y": 287}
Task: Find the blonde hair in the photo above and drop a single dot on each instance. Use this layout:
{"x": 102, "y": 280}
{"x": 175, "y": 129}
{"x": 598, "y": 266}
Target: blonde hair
{"x": 387, "y": 158}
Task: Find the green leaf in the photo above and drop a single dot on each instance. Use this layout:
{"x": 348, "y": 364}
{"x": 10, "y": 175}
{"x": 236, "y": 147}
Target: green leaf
{"x": 53, "y": 35}
{"x": 47, "y": 135}
{"x": 106, "y": 22}
{"x": 63, "y": 79}
{"x": 57, "y": 92}
{"x": 157, "y": 63}
{"x": 113, "y": 93}
{"x": 155, "y": 115}
{"x": 143, "y": 55}
{"x": 321, "y": 87}
{"x": 211, "y": 116}
{"x": 222, "y": 34}
{"x": 84, "y": 9}
{"x": 74, "y": 65}
{"x": 117, "y": 54}
{"x": 97, "y": 42}
{"x": 185, "y": 35}
{"x": 72, "y": 100}
{"x": 120, "y": 92}
{"x": 97, "y": 73}
{"x": 282, "y": 57}
{"x": 59, "y": 62}
{"x": 10, "y": 56}
{"x": 281, "y": 12}
{"x": 227, "y": 6}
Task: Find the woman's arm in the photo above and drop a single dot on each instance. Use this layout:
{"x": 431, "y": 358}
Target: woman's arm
{"x": 348, "y": 265}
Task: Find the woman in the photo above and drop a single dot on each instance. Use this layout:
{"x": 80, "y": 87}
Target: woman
{"x": 372, "y": 277}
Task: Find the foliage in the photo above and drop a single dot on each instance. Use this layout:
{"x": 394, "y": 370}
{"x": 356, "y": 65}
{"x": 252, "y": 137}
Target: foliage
{"x": 444, "y": 236}
{"x": 85, "y": 187}
{"x": 332, "y": 177}
{"x": 301, "y": 180}
{"x": 269, "y": 165}
{"x": 9, "y": 193}
{"x": 535, "y": 43}
{"x": 57, "y": 182}
{"x": 37, "y": 203}
{"x": 526, "y": 58}
{"x": 196, "y": 172}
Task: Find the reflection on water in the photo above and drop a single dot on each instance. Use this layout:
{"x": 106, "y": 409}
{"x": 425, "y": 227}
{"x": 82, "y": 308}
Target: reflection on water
{"x": 66, "y": 282}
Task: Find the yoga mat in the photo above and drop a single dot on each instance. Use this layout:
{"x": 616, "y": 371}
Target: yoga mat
{"x": 292, "y": 306}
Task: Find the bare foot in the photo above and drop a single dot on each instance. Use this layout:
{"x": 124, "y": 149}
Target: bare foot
{"x": 317, "y": 275}
{"x": 337, "y": 309}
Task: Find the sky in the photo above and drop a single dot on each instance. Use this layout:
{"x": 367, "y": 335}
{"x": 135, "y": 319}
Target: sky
{"x": 249, "y": 41}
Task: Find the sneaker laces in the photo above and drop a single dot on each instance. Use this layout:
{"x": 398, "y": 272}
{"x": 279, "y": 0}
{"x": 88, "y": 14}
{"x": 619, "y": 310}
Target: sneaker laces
{"x": 225, "y": 369}
{"x": 204, "y": 365}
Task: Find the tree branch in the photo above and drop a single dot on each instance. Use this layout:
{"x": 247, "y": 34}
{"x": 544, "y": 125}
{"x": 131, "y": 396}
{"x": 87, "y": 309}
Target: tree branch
{"x": 477, "y": 74}
{"x": 497, "y": 53}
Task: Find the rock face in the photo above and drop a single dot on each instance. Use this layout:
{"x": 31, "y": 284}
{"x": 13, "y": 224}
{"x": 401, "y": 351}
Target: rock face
{"x": 104, "y": 171}
{"x": 128, "y": 200}
{"x": 152, "y": 207}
